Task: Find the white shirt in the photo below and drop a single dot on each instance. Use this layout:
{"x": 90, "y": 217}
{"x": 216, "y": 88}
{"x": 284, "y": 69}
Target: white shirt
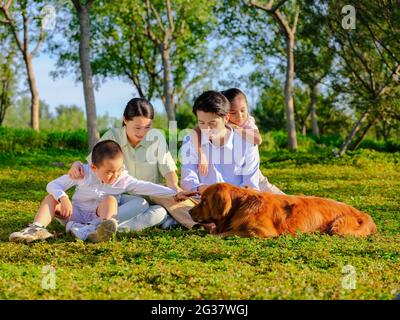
{"x": 91, "y": 190}
{"x": 236, "y": 161}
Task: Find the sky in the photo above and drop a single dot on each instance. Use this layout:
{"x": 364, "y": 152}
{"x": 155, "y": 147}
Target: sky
{"x": 111, "y": 96}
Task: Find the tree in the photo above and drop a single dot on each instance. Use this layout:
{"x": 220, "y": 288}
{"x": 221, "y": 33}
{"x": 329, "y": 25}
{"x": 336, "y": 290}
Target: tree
{"x": 122, "y": 50}
{"x": 83, "y": 12}
{"x": 127, "y": 42}
{"x": 8, "y": 73}
{"x": 287, "y": 30}
{"x": 32, "y": 31}
{"x": 178, "y": 30}
{"x": 270, "y": 109}
{"x": 370, "y": 61}
{"x": 314, "y": 56}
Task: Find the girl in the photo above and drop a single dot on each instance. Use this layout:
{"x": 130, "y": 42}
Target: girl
{"x": 243, "y": 123}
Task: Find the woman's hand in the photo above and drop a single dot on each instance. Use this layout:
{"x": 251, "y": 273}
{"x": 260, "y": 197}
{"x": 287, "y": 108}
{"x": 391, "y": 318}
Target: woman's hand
{"x": 76, "y": 171}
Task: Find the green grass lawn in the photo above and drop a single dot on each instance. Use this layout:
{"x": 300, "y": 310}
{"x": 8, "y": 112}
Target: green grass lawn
{"x": 179, "y": 264}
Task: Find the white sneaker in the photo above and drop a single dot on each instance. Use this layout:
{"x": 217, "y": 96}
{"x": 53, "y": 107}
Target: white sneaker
{"x": 104, "y": 231}
{"x": 30, "y": 234}
{"x": 80, "y": 230}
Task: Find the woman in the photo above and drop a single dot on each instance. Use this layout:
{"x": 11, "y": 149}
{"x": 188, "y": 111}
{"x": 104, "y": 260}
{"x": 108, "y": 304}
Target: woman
{"x": 148, "y": 159}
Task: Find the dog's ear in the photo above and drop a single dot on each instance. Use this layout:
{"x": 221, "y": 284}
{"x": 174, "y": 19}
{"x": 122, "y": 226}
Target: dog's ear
{"x": 222, "y": 202}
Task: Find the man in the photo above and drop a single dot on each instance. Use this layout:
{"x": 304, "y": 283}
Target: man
{"x": 230, "y": 157}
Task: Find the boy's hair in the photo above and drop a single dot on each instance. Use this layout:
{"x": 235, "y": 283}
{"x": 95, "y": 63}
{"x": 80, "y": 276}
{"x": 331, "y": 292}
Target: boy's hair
{"x": 213, "y": 102}
{"x": 106, "y": 149}
{"x": 232, "y": 93}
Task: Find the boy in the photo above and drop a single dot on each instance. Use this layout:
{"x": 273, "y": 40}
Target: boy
{"x": 91, "y": 215}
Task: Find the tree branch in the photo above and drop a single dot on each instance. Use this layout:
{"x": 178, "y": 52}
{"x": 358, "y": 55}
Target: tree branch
{"x": 10, "y": 20}
{"x": 278, "y": 5}
{"x": 296, "y": 17}
{"x": 26, "y": 39}
{"x": 159, "y": 21}
{"x": 39, "y": 43}
{"x": 148, "y": 32}
{"x": 170, "y": 17}
{"x": 282, "y": 23}
{"x": 363, "y": 62}
{"x": 77, "y": 4}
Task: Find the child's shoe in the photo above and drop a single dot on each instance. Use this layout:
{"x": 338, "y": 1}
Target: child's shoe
{"x": 32, "y": 233}
{"x": 104, "y": 231}
{"x": 79, "y": 230}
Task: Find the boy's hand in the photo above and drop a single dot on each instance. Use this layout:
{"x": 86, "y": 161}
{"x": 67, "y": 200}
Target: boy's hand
{"x": 76, "y": 171}
{"x": 66, "y": 207}
{"x": 184, "y": 195}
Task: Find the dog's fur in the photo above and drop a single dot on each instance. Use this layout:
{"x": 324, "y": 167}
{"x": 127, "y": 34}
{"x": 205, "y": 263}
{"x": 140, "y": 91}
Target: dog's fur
{"x": 249, "y": 213}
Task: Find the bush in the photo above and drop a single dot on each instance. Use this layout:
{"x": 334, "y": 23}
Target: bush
{"x": 390, "y": 145}
{"x": 185, "y": 117}
{"x": 19, "y": 140}
{"x": 277, "y": 140}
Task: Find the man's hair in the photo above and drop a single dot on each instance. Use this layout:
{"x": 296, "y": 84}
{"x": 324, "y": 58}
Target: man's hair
{"x": 213, "y": 102}
{"x": 106, "y": 149}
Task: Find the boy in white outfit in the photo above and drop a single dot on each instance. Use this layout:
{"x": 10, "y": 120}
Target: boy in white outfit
{"x": 93, "y": 211}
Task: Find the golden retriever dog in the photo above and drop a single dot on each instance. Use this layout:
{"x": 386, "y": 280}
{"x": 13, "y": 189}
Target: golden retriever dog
{"x": 251, "y": 213}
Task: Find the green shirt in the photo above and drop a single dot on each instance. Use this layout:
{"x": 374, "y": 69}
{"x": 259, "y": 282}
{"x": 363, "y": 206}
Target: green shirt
{"x": 150, "y": 160}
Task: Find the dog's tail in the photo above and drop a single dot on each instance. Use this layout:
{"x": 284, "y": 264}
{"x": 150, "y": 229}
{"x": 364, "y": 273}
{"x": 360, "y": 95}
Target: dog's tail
{"x": 357, "y": 224}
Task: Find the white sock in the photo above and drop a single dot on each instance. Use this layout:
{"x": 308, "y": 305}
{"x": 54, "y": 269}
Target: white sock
{"x": 37, "y": 224}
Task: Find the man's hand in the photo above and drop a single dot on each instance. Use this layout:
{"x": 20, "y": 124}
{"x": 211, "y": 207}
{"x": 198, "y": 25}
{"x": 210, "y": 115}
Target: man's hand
{"x": 66, "y": 207}
{"x": 76, "y": 171}
{"x": 184, "y": 195}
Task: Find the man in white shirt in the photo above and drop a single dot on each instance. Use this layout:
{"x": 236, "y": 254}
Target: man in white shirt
{"x": 93, "y": 211}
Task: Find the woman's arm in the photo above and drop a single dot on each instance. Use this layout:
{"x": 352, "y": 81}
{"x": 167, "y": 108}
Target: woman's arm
{"x": 172, "y": 181}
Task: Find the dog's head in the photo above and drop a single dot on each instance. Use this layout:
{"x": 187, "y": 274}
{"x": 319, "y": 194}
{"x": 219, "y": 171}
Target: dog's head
{"x": 216, "y": 202}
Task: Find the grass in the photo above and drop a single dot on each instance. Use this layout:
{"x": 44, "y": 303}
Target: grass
{"x": 179, "y": 264}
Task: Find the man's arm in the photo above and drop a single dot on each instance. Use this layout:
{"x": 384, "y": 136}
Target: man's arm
{"x": 190, "y": 180}
{"x": 250, "y": 169}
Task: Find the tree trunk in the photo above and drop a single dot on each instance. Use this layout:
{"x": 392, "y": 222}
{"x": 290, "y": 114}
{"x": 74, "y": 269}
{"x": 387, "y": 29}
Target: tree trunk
{"x": 313, "y": 109}
{"x": 346, "y": 143}
{"x": 87, "y": 77}
{"x": 34, "y": 92}
{"x": 304, "y": 129}
{"x": 291, "y": 125}
{"x": 167, "y": 90}
{"x": 362, "y": 136}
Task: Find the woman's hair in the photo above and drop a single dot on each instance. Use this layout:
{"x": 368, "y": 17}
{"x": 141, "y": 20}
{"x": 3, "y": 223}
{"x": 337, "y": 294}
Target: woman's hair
{"x": 212, "y": 101}
{"x": 233, "y": 93}
{"x": 138, "y": 107}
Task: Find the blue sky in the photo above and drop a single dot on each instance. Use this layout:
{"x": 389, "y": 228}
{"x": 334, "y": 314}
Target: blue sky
{"x": 111, "y": 96}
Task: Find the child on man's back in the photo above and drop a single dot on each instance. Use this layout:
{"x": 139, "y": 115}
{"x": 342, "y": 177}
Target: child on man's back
{"x": 243, "y": 123}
